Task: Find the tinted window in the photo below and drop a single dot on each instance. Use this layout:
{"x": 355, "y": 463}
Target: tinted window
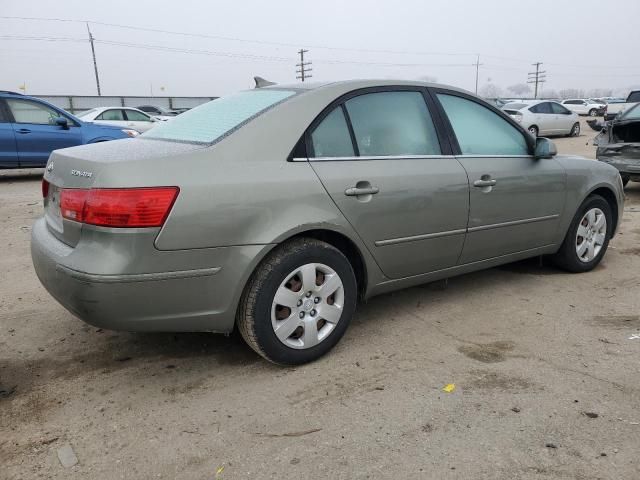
{"x": 558, "y": 109}
{"x": 544, "y": 107}
{"x": 137, "y": 116}
{"x": 634, "y": 97}
{"x": 25, "y": 111}
{"x": 481, "y": 131}
{"x": 631, "y": 114}
{"x": 331, "y": 138}
{"x": 111, "y": 115}
{"x": 149, "y": 110}
{"x": 208, "y": 122}
{"x": 392, "y": 123}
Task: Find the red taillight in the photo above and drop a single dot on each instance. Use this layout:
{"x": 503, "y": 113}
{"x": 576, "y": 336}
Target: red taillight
{"x": 118, "y": 207}
{"x": 45, "y": 188}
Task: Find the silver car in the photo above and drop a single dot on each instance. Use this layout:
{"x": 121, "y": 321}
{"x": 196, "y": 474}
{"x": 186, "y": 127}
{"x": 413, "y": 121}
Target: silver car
{"x": 544, "y": 117}
{"x": 274, "y": 210}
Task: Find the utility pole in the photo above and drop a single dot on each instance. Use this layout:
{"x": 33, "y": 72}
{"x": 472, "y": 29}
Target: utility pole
{"x": 304, "y": 66}
{"x": 95, "y": 64}
{"x": 477, "y": 64}
{"x": 537, "y": 77}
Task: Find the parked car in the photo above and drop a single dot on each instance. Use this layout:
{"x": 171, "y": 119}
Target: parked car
{"x": 619, "y": 144}
{"x": 31, "y": 128}
{"x": 543, "y": 117}
{"x": 614, "y": 108}
{"x": 157, "y": 112}
{"x": 276, "y": 209}
{"x": 585, "y": 107}
{"x": 126, "y": 117}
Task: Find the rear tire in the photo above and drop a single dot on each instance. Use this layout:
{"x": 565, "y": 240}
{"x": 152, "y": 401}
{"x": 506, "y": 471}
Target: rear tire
{"x": 587, "y": 239}
{"x": 317, "y": 287}
{"x": 625, "y": 179}
{"x": 533, "y": 130}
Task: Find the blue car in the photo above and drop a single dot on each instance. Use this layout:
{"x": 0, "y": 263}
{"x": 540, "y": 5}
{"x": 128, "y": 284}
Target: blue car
{"x": 30, "y": 129}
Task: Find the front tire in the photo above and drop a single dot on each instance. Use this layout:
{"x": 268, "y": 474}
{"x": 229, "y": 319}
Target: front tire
{"x": 533, "y": 130}
{"x": 298, "y": 303}
{"x": 593, "y": 112}
{"x": 575, "y": 130}
{"x": 588, "y": 236}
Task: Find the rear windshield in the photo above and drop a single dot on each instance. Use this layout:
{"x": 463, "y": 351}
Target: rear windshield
{"x": 634, "y": 97}
{"x": 213, "y": 120}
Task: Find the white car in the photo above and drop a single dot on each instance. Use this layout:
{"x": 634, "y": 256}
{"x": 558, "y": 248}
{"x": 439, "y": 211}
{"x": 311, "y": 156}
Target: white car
{"x": 584, "y": 107}
{"x": 544, "y": 117}
{"x": 121, "y": 117}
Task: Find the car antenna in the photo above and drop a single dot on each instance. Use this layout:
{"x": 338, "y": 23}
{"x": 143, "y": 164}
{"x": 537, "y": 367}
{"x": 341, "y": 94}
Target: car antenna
{"x": 261, "y": 82}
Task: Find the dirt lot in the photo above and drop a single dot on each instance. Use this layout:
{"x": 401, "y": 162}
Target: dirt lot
{"x": 545, "y": 366}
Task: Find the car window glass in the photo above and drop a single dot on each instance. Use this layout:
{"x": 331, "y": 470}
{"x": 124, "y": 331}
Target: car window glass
{"x": 634, "y": 97}
{"x": 632, "y": 114}
{"x": 392, "y": 124}
{"x": 481, "y": 131}
{"x": 134, "y": 116}
{"x": 331, "y": 137}
{"x": 543, "y": 107}
{"x": 211, "y": 121}
{"x": 25, "y": 111}
{"x": 558, "y": 109}
{"x": 113, "y": 115}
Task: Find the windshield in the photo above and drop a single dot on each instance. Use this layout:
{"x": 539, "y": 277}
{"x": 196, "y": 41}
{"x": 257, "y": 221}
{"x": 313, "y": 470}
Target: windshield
{"x": 631, "y": 114}
{"x": 211, "y": 121}
{"x": 514, "y": 106}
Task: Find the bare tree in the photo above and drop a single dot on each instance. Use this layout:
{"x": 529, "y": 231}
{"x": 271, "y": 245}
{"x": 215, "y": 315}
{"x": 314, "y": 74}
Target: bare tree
{"x": 490, "y": 90}
{"x": 519, "y": 89}
{"x": 571, "y": 93}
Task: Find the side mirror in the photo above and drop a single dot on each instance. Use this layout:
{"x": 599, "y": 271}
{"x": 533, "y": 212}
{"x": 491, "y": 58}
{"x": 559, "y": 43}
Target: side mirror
{"x": 62, "y": 122}
{"x": 545, "y": 148}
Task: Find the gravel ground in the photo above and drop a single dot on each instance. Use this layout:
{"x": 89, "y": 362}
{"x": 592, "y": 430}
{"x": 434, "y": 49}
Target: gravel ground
{"x": 545, "y": 366}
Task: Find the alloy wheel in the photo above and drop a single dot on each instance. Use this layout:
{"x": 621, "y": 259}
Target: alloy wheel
{"x": 307, "y": 305}
{"x": 591, "y": 234}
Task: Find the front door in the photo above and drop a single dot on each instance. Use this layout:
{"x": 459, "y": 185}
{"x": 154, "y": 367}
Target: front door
{"x": 515, "y": 199}
{"x": 379, "y": 157}
{"x": 36, "y": 133}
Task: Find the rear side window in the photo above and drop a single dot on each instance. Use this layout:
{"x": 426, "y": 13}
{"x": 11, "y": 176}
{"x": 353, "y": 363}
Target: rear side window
{"x": 211, "y": 121}
{"x": 392, "y": 124}
{"x": 25, "y": 111}
{"x": 634, "y": 97}
{"x": 481, "y": 131}
{"x": 331, "y": 137}
{"x": 111, "y": 115}
{"x": 543, "y": 107}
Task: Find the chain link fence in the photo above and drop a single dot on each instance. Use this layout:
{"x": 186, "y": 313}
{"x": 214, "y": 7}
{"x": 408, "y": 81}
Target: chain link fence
{"x": 76, "y": 104}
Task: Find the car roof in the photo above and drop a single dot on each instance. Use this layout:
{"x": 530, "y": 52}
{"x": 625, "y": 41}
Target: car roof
{"x": 358, "y": 84}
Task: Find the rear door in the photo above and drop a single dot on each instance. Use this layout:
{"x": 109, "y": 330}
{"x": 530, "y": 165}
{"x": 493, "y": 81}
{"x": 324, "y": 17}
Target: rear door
{"x": 515, "y": 199}
{"x": 8, "y": 152}
{"x": 545, "y": 119}
{"x": 382, "y": 161}
{"x": 36, "y": 133}
{"x": 113, "y": 116}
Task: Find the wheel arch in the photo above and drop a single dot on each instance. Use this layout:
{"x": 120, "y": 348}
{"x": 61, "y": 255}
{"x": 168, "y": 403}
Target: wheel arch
{"x": 609, "y": 195}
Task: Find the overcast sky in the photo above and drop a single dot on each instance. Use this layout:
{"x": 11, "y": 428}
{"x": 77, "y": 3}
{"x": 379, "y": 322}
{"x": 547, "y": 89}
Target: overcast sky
{"x": 583, "y": 43}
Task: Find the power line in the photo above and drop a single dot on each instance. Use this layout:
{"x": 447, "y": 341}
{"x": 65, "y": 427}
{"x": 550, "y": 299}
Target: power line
{"x": 537, "y": 77}
{"x": 303, "y": 71}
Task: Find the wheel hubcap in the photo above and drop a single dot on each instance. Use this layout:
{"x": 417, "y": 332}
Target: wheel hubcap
{"x": 307, "y": 305}
{"x": 591, "y": 235}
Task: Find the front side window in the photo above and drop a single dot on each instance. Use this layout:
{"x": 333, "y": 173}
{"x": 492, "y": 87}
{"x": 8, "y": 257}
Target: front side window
{"x": 632, "y": 114}
{"x": 113, "y": 115}
{"x": 134, "y": 116}
{"x": 25, "y": 111}
{"x": 209, "y": 122}
{"x": 331, "y": 137}
{"x": 392, "y": 124}
{"x": 543, "y": 107}
{"x": 481, "y": 131}
{"x": 558, "y": 109}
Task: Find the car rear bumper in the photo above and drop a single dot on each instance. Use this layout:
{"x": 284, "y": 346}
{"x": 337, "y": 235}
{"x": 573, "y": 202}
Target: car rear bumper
{"x": 182, "y": 299}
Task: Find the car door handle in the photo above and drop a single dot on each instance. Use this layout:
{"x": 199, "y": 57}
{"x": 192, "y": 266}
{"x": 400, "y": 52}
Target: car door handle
{"x": 484, "y": 183}
{"x": 24, "y": 130}
{"x": 355, "y": 191}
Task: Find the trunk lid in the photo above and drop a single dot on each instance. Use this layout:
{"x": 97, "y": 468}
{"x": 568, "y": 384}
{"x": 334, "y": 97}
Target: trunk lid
{"x": 86, "y": 166}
